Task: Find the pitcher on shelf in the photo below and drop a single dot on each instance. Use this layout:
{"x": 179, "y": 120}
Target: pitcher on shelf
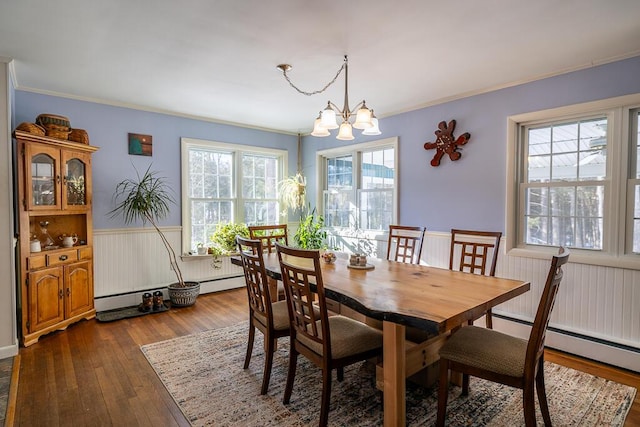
{"x": 68, "y": 240}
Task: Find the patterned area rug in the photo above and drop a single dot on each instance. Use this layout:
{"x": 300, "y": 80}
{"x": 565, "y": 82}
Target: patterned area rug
{"x": 6, "y": 367}
{"x": 203, "y": 373}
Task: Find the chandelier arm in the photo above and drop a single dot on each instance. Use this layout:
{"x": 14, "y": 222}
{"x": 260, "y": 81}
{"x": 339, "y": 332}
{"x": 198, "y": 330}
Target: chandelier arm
{"x": 335, "y": 107}
{"x": 356, "y": 108}
{"x": 315, "y": 92}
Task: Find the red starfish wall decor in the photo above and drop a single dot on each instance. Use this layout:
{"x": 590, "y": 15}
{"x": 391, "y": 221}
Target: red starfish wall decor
{"x": 446, "y": 143}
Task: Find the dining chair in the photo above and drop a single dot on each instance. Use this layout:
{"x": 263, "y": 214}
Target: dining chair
{"x": 475, "y": 252}
{"x": 502, "y": 358}
{"x": 271, "y": 318}
{"x": 268, "y": 235}
{"x": 405, "y": 243}
{"x": 328, "y": 342}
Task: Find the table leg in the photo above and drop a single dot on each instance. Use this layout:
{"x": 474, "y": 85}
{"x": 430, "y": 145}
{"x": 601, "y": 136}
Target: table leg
{"x": 394, "y": 366}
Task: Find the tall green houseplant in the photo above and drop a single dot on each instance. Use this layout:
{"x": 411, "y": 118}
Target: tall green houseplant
{"x": 147, "y": 198}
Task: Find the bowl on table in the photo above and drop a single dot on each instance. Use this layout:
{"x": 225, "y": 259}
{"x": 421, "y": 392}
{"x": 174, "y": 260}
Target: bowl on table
{"x": 329, "y": 257}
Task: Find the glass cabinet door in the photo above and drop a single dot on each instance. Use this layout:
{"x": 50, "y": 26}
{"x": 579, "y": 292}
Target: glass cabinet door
{"x": 44, "y": 179}
{"x": 75, "y": 180}
{"x": 76, "y": 169}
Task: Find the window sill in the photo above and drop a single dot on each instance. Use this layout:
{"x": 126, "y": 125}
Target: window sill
{"x": 195, "y": 257}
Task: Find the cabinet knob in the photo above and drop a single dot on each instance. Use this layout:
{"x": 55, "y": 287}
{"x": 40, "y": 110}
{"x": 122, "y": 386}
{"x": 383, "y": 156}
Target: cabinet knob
{"x": 63, "y": 257}
{"x": 60, "y": 293}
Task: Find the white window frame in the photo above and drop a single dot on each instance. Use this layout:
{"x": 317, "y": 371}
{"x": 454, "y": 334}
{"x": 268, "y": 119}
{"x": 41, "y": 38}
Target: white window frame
{"x": 355, "y": 150}
{"x": 618, "y": 203}
{"x": 237, "y": 150}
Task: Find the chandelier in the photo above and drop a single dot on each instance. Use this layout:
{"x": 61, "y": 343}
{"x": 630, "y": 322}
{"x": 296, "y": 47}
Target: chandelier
{"x": 328, "y": 118}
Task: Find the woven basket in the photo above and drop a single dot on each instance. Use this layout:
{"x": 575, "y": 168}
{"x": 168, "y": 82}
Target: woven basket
{"x": 184, "y": 296}
{"x": 31, "y": 128}
{"x": 79, "y": 135}
{"x": 58, "y": 134}
{"x": 60, "y": 122}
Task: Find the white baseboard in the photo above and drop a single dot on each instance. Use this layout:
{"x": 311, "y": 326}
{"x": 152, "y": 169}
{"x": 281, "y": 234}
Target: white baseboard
{"x": 9, "y": 351}
{"x": 135, "y": 298}
{"x": 590, "y": 349}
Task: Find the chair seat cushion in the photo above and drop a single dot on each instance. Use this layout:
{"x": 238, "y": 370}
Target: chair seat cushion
{"x": 348, "y": 337}
{"x": 486, "y": 349}
{"x": 280, "y": 316}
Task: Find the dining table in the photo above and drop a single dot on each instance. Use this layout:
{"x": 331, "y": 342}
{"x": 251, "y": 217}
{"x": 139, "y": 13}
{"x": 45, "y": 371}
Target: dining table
{"x": 400, "y": 295}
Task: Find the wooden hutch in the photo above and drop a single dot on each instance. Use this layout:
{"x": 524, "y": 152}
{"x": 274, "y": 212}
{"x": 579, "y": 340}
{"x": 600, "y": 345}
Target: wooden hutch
{"x": 54, "y": 201}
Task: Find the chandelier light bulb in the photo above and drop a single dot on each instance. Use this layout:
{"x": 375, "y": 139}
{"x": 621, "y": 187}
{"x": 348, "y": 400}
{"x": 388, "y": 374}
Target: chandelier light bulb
{"x": 328, "y": 118}
{"x": 318, "y": 129}
{"x": 363, "y": 118}
{"x": 346, "y": 132}
{"x": 374, "y": 129}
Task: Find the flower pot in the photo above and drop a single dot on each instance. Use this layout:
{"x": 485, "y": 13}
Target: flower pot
{"x": 183, "y": 296}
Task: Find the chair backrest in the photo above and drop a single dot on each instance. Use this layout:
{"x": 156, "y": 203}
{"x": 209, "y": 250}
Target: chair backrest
{"x": 255, "y": 277}
{"x": 300, "y": 268}
{"x": 535, "y": 348}
{"x": 269, "y": 234}
{"x": 405, "y": 243}
{"x": 473, "y": 249}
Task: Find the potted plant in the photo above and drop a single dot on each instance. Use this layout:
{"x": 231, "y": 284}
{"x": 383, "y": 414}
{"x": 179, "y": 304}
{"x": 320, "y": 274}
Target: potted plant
{"x": 293, "y": 191}
{"x": 147, "y": 198}
{"x": 223, "y": 240}
{"x": 202, "y": 249}
{"x": 310, "y": 233}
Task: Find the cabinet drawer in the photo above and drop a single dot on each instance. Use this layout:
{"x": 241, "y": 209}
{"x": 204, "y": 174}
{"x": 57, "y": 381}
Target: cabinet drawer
{"x": 85, "y": 253}
{"x": 36, "y": 261}
{"x": 62, "y": 257}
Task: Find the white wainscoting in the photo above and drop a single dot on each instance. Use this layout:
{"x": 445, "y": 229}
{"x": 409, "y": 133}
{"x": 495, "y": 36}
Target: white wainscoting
{"x": 597, "y": 313}
{"x": 129, "y": 262}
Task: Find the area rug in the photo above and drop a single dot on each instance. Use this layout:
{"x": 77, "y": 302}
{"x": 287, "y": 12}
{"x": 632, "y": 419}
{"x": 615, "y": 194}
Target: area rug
{"x": 6, "y": 368}
{"x": 203, "y": 373}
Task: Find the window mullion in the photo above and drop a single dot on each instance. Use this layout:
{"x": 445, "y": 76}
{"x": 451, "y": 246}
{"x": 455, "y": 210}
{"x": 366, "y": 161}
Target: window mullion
{"x": 237, "y": 178}
{"x": 357, "y": 184}
{"x": 615, "y": 191}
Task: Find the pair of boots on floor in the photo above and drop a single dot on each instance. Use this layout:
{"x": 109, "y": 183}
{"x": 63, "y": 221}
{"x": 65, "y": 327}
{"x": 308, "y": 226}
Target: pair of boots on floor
{"x": 151, "y": 302}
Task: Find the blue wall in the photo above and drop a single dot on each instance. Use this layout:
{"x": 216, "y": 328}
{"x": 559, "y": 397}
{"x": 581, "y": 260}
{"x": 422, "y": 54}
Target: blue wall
{"x": 471, "y": 192}
{"x": 108, "y": 127}
{"x": 468, "y": 193}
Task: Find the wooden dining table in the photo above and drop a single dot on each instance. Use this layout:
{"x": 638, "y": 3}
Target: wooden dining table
{"x": 400, "y": 295}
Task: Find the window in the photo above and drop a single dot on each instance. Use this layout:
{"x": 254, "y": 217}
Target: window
{"x": 634, "y": 182}
{"x": 228, "y": 183}
{"x": 574, "y": 181}
{"x": 358, "y": 185}
{"x": 564, "y": 185}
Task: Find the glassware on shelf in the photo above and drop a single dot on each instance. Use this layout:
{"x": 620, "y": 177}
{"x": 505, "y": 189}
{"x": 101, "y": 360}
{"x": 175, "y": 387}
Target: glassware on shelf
{"x": 45, "y": 239}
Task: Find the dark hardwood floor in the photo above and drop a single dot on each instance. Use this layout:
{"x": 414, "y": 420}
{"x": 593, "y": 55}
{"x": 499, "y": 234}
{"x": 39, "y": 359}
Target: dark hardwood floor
{"x": 94, "y": 374}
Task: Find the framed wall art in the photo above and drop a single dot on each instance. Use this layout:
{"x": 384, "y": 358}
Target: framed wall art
{"x": 140, "y": 145}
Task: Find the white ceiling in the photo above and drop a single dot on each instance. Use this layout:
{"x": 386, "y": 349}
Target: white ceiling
{"x": 216, "y": 59}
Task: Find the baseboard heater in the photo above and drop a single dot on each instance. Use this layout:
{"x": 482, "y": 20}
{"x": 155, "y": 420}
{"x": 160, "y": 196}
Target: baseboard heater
{"x": 126, "y": 299}
{"x": 593, "y": 348}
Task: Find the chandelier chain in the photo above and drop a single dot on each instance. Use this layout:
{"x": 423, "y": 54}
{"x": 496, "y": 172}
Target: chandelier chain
{"x": 315, "y": 92}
